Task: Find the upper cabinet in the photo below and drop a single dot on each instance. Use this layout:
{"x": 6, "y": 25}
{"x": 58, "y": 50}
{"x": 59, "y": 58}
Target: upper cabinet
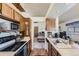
{"x": 0, "y": 7}
{"x": 22, "y": 24}
{"x": 17, "y": 16}
{"x": 50, "y": 24}
{"x": 27, "y": 26}
{"x": 7, "y": 11}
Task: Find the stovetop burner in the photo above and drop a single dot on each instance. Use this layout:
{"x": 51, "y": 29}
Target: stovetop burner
{"x": 14, "y": 47}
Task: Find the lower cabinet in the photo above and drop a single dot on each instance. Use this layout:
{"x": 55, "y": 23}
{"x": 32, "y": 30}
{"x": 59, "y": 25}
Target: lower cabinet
{"x": 54, "y": 52}
{"x": 28, "y": 51}
{"x": 51, "y": 50}
{"x": 29, "y": 47}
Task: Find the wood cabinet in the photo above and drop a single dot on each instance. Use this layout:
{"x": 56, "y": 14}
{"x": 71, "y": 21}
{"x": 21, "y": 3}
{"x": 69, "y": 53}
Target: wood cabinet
{"x": 27, "y": 26}
{"x": 7, "y": 11}
{"x": 29, "y": 47}
{"x": 50, "y": 24}
{"x": 22, "y": 24}
{"x": 17, "y": 16}
{"x": 0, "y": 7}
{"x": 51, "y": 50}
{"x": 54, "y": 52}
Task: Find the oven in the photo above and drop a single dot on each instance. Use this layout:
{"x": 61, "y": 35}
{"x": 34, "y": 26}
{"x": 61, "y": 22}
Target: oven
{"x": 9, "y": 43}
{"x": 22, "y": 51}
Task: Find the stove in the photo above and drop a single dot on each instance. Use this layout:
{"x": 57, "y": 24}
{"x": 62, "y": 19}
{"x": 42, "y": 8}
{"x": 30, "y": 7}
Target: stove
{"x": 14, "y": 47}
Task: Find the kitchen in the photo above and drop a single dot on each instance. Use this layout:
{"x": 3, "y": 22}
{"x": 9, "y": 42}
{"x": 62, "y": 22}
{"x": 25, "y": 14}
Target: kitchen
{"x": 56, "y": 32}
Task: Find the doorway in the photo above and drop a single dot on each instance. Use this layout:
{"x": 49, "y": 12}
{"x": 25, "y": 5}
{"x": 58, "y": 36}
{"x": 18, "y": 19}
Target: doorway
{"x": 36, "y": 31}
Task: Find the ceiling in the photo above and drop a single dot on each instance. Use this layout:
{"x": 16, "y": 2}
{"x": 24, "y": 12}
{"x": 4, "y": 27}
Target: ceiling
{"x": 58, "y": 9}
{"x": 36, "y": 9}
{"x": 72, "y": 13}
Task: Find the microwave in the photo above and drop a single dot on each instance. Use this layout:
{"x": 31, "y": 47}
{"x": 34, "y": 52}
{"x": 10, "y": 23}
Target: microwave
{"x": 14, "y": 26}
{"x": 8, "y": 25}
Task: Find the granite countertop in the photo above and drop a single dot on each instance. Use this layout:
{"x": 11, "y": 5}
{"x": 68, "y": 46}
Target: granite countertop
{"x": 5, "y": 53}
{"x": 65, "y": 50}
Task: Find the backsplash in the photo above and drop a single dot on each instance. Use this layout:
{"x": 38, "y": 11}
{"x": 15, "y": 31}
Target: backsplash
{"x": 4, "y": 24}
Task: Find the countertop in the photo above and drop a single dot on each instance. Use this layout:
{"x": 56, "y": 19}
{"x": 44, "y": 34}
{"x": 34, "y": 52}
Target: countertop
{"x": 13, "y": 53}
{"x": 26, "y": 39}
{"x": 65, "y": 51}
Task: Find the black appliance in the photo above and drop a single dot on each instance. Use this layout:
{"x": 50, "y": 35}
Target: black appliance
{"x": 14, "y": 26}
{"x": 56, "y": 35}
{"x": 61, "y": 34}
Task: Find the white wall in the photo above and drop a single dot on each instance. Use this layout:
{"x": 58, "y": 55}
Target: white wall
{"x": 64, "y": 28}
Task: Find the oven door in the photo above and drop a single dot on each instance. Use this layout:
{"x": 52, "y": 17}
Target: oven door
{"x": 22, "y": 51}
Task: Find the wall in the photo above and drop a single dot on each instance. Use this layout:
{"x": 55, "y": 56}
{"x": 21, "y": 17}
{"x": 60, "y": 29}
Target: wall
{"x": 64, "y": 28}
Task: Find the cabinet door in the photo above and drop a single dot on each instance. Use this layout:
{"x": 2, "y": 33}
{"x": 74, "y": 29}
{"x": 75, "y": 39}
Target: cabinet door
{"x": 49, "y": 49}
{"x": 7, "y": 11}
{"x": 50, "y": 24}
{"x": 17, "y": 16}
{"x": 29, "y": 47}
{"x": 21, "y": 24}
{"x": 0, "y": 7}
{"x": 55, "y": 52}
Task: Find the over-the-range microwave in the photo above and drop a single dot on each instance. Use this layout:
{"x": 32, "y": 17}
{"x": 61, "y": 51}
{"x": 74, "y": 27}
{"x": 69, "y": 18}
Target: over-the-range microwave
{"x": 14, "y": 26}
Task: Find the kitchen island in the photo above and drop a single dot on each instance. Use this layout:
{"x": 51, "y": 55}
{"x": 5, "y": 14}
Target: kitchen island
{"x": 61, "y": 49}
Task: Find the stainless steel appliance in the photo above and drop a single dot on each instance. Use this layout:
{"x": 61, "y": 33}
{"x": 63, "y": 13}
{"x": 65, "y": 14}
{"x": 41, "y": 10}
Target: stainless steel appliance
{"x": 9, "y": 43}
{"x": 18, "y": 47}
{"x": 8, "y": 25}
{"x": 14, "y": 26}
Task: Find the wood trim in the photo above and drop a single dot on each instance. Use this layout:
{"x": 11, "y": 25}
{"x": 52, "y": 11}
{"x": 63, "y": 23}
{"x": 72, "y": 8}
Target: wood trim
{"x": 18, "y": 6}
